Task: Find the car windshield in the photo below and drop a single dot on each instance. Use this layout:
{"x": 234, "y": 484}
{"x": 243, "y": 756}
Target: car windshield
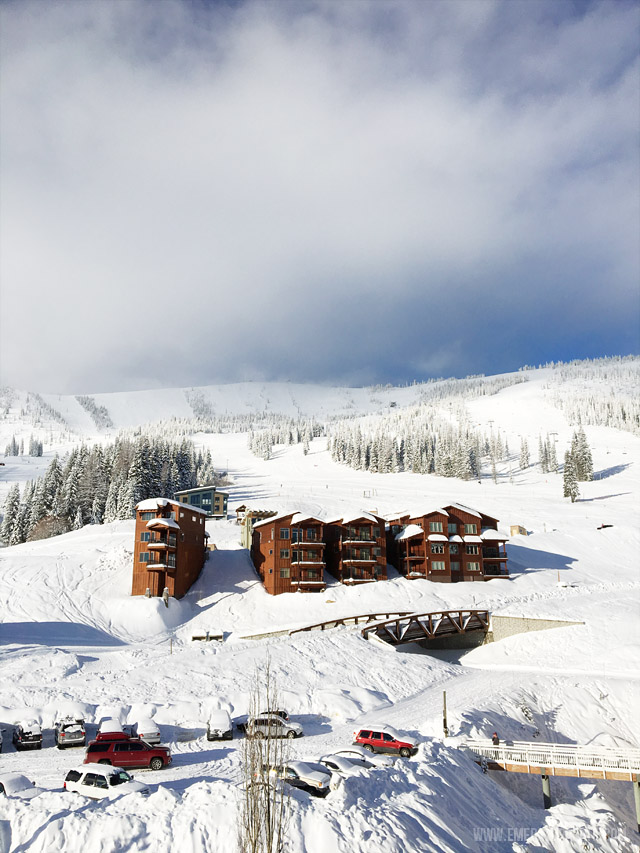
{"x": 119, "y": 778}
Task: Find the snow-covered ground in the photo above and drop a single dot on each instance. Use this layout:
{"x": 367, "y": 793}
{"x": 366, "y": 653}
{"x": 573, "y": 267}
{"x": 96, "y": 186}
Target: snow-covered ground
{"x": 71, "y": 638}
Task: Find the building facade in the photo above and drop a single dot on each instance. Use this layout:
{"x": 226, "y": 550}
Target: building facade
{"x": 356, "y": 549}
{"x": 288, "y": 553}
{"x": 210, "y": 500}
{"x": 169, "y": 549}
{"x": 448, "y": 545}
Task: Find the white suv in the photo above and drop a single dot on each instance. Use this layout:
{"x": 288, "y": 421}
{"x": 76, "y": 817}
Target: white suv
{"x": 100, "y": 781}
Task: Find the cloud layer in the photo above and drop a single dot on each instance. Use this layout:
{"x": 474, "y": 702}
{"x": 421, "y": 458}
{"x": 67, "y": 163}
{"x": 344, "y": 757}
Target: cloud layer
{"x": 360, "y": 192}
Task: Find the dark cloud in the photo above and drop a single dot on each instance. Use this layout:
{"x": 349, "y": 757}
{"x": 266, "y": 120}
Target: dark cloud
{"x": 362, "y": 192}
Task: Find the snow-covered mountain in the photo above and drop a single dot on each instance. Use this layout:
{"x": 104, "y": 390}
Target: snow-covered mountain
{"x": 71, "y": 637}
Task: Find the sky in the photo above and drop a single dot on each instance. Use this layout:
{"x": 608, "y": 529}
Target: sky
{"x": 336, "y": 192}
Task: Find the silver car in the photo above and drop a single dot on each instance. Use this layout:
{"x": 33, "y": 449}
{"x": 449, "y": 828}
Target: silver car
{"x": 272, "y": 725}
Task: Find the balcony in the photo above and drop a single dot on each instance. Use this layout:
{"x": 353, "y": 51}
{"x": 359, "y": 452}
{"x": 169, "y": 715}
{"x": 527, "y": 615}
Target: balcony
{"x": 350, "y": 540}
{"x": 305, "y": 561}
{"x": 309, "y": 577}
{"x": 349, "y": 560}
{"x": 494, "y": 553}
{"x": 160, "y": 542}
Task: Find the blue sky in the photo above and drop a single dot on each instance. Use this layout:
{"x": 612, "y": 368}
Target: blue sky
{"x": 355, "y": 192}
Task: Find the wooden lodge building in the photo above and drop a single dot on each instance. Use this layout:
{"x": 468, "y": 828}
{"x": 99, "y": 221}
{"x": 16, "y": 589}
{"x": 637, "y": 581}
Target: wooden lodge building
{"x": 448, "y": 545}
{"x": 170, "y": 547}
{"x": 357, "y": 549}
{"x": 288, "y": 553}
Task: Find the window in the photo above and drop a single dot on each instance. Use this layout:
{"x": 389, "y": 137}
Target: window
{"x": 171, "y": 561}
{"x": 144, "y": 556}
{"x": 270, "y": 552}
{"x": 437, "y": 549}
{"x": 284, "y": 554}
{"x": 471, "y": 549}
{"x": 181, "y": 515}
{"x": 452, "y": 528}
{"x": 182, "y": 537}
{"x": 471, "y": 528}
{"x": 145, "y": 537}
{"x": 311, "y": 534}
{"x": 285, "y": 572}
{"x": 365, "y": 554}
{"x": 455, "y": 567}
{"x": 194, "y": 518}
{"x": 284, "y": 532}
{"x": 473, "y": 567}
{"x": 195, "y": 500}
{"x": 73, "y": 776}
{"x": 453, "y": 548}
{"x": 376, "y": 532}
{"x": 438, "y": 566}
{"x": 377, "y": 552}
{"x": 147, "y": 516}
{"x": 435, "y": 527}
{"x": 312, "y": 574}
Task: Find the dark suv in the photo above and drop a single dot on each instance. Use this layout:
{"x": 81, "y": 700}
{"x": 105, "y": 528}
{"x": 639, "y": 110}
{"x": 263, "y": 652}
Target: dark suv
{"x": 127, "y": 752}
{"x": 27, "y": 736}
{"x": 385, "y": 739}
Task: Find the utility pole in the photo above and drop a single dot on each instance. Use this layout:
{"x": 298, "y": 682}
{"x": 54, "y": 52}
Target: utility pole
{"x": 444, "y": 713}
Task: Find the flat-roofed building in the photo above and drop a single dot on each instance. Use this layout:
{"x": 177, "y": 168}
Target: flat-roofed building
{"x": 212, "y": 501}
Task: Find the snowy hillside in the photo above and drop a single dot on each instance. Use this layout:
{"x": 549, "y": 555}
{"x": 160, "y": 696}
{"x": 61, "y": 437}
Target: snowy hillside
{"x": 73, "y": 639}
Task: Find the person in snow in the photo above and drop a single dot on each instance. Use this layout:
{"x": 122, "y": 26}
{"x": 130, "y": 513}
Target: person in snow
{"x": 495, "y": 740}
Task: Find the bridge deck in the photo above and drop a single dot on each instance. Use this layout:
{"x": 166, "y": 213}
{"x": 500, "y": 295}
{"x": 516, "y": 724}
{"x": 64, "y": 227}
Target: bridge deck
{"x": 553, "y": 759}
{"x": 428, "y": 626}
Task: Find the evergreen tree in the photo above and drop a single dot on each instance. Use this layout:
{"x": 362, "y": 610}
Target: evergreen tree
{"x": 524, "y": 454}
{"x": 570, "y": 479}
{"x": 11, "y": 507}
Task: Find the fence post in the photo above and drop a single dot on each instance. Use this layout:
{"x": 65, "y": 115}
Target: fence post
{"x": 444, "y": 713}
{"x": 636, "y": 796}
{"x": 546, "y": 790}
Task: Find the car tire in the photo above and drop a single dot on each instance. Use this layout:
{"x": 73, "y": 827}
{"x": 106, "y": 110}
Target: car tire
{"x": 156, "y": 764}
{"x": 405, "y": 753}
{"x": 291, "y": 735}
{"x": 39, "y": 746}
{"x": 104, "y": 761}
{"x": 368, "y": 747}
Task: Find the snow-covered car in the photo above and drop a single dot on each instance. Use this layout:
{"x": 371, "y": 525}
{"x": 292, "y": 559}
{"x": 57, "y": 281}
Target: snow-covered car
{"x": 343, "y": 765}
{"x": 17, "y": 785}
{"x": 27, "y": 735}
{"x": 272, "y": 725}
{"x": 219, "y": 726}
{"x": 357, "y": 751}
{"x": 69, "y": 731}
{"x": 146, "y": 730}
{"x": 302, "y": 774}
{"x": 100, "y": 781}
{"x": 110, "y": 726}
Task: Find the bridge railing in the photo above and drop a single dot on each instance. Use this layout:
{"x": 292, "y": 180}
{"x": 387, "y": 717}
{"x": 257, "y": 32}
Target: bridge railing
{"x": 351, "y": 620}
{"x": 552, "y": 755}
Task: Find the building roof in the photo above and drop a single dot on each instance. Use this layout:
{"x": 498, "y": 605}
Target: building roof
{"x": 163, "y": 522}
{"x": 472, "y": 539}
{"x": 300, "y": 517}
{"x": 201, "y": 489}
{"x": 490, "y": 535}
{"x": 437, "y": 537}
{"x": 409, "y": 532}
{"x": 466, "y": 509}
{"x": 362, "y": 515}
{"x": 153, "y": 504}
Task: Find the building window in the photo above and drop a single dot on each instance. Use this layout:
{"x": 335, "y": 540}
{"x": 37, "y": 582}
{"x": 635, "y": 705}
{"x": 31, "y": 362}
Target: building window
{"x": 438, "y": 566}
{"x": 376, "y": 532}
{"x": 181, "y": 515}
{"x": 452, "y": 528}
{"x": 284, "y": 532}
{"x": 195, "y": 500}
{"x": 145, "y": 537}
{"x": 453, "y": 548}
{"x": 147, "y": 516}
{"x": 144, "y": 556}
{"x": 270, "y": 552}
{"x": 194, "y": 518}
{"x": 182, "y": 537}
{"x": 455, "y": 567}
{"x": 435, "y": 527}
{"x": 377, "y": 552}
{"x": 471, "y": 549}
{"x": 365, "y": 554}
{"x": 311, "y": 534}
{"x": 471, "y": 529}
{"x": 437, "y": 549}
{"x": 285, "y": 572}
{"x": 171, "y": 561}
{"x": 284, "y": 555}
{"x": 473, "y": 567}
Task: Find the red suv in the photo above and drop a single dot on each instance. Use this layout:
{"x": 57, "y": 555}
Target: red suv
{"x": 384, "y": 739}
{"x": 127, "y": 752}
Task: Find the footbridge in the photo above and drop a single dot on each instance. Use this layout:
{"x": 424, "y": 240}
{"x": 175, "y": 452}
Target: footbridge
{"x": 351, "y": 620}
{"x": 414, "y": 627}
{"x": 552, "y": 759}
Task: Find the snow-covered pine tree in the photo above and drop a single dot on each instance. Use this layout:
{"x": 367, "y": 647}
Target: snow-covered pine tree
{"x": 524, "y": 454}
{"x": 570, "y": 479}
{"x": 11, "y": 507}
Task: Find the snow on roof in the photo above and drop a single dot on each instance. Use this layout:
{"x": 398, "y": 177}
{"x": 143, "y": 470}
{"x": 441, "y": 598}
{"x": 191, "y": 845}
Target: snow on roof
{"x": 163, "y": 522}
{"x": 476, "y": 540}
{"x": 490, "y": 535}
{"x": 359, "y": 517}
{"x": 437, "y": 537}
{"x": 300, "y": 517}
{"x": 410, "y": 531}
{"x": 159, "y": 503}
{"x": 273, "y": 518}
{"x": 455, "y": 538}
{"x": 466, "y": 509}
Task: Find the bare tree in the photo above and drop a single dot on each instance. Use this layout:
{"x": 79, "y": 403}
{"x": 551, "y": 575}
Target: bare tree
{"x": 263, "y": 813}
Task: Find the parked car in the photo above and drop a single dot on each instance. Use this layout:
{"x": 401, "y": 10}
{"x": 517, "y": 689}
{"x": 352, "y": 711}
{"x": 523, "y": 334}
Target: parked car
{"x": 147, "y": 731}
{"x": 357, "y": 751}
{"x": 385, "y": 739}
{"x": 69, "y": 731}
{"x": 17, "y": 785}
{"x": 27, "y": 735}
{"x": 99, "y": 782}
{"x": 300, "y": 774}
{"x": 219, "y": 726}
{"x": 272, "y": 725}
{"x": 278, "y": 712}
{"x": 343, "y": 765}
{"x": 127, "y": 752}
